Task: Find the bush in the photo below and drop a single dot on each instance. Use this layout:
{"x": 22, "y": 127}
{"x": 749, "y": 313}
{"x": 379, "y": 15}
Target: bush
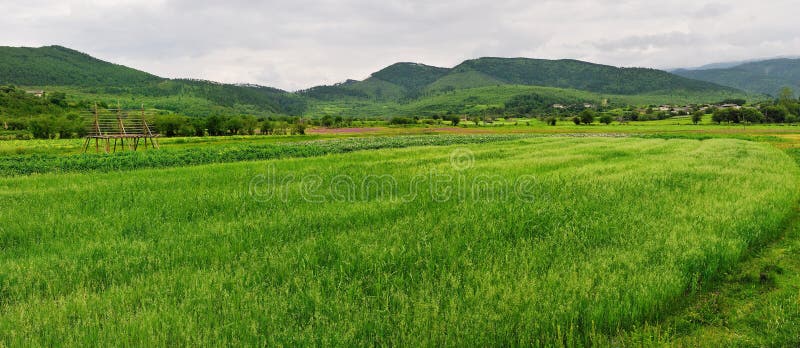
{"x": 298, "y": 129}
{"x": 697, "y": 116}
{"x": 587, "y": 116}
{"x": 401, "y": 121}
{"x": 24, "y": 136}
{"x": 455, "y": 120}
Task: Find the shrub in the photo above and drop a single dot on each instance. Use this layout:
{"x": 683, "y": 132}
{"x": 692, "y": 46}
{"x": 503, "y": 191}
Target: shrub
{"x": 401, "y": 121}
{"x": 587, "y": 116}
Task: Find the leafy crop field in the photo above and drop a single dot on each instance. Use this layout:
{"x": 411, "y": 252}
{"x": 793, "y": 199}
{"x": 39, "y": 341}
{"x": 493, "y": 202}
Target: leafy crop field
{"x": 514, "y": 241}
{"x": 221, "y": 153}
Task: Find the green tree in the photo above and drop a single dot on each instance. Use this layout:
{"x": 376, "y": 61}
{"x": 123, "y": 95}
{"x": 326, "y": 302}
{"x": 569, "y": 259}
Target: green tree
{"x": 697, "y": 116}
{"x": 267, "y": 127}
{"x": 454, "y": 119}
{"x": 719, "y": 116}
{"x": 587, "y": 116}
{"x": 775, "y": 113}
{"x": 234, "y": 125}
{"x": 58, "y": 98}
{"x": 298, "y": 128}
{"x": 606, "y": 119}
{"x": 327, "y": 121}
{"x": 751, "y": 115}
{"x": 786, "y": 97}
{"x": 169, "y": 125}
{"x": 214, "y": 125}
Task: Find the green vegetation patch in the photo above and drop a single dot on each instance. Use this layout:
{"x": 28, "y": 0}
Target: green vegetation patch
{"x": 223, "y": 153}
{"x": 531, "y": 241}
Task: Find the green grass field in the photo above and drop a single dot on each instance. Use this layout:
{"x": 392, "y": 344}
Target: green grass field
{"x": 529, "y": 241}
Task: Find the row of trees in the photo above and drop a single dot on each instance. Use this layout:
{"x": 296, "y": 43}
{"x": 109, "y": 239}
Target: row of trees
{"x": 176, "y": 125}
{"x": 784, "y": 109}
{"x": 737, "y": 115}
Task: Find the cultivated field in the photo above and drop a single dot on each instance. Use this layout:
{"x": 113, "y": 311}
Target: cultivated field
{"x": 427, "y": 240}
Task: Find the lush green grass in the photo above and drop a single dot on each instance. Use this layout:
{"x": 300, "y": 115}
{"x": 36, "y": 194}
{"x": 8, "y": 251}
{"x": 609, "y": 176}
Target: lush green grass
{"x": 756, "y": 304}
{"x": 609, "y": 233}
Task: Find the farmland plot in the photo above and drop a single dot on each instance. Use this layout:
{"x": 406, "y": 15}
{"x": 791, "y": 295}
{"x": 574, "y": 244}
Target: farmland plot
{"x": 519, "y": 242}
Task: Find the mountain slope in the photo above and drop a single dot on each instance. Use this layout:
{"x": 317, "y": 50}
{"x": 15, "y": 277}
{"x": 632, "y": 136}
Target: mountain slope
{"x": 59, "y": 68}
{"x": 395, "y": 82}
{"x": 85, "y": 78}
{"x": 410, "y": 81}
{"x": 410, "y": 76}
{"x": 580, "y": 75}
{"x": 764, "y": 77}
{"x": 464, "y": 79}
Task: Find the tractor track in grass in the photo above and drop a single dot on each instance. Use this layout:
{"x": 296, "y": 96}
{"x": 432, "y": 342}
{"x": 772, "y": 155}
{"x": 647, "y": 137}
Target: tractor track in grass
{"x": 756, "y": 304}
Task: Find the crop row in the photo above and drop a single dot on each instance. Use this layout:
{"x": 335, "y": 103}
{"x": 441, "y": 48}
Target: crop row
{"x": 51, "y": 163}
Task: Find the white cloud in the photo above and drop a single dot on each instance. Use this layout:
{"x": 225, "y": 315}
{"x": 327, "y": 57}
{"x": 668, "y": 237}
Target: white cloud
{"x": 299, "y": 44}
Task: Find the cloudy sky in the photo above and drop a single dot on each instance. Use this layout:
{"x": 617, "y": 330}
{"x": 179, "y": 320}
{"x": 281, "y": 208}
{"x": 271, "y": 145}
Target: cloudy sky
{"x": 296, "y": 44}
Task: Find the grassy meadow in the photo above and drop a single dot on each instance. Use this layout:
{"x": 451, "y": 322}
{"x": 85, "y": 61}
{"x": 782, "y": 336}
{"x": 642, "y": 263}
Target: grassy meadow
{"x": 515, "y": 241}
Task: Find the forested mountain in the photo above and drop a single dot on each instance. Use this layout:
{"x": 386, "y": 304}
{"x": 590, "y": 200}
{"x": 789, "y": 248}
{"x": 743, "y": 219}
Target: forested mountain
{"x": 58, "y": 67}
{"x": 764, "y": 77}
{"x": 410, "y": 81}
{"x": 580, "y": 75}
{"x": 395, "y": 82}
{"x": 410, "y": 76}
{"x": 421, "y": 88}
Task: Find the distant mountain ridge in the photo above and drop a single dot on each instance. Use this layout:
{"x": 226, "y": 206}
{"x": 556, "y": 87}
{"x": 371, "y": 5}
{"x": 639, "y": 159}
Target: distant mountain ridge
{"x": 732, "y": 64}
{"x": 64, "y": 69}
{"x": 762, "y": 77}
{"x": 411, "y": 80}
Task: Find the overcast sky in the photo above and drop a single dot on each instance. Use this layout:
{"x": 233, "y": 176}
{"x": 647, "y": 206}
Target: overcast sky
{"x": 301, "y": 43}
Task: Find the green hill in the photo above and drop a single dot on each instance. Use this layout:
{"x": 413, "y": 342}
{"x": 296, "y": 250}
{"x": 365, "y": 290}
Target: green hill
{"x": 402, "y": 88}
{"x": 395, "y": 82}
{"x": 59, "y": 69}
{"x": 409, "y": 81}
{"x": 60, "y": 66}
{"x": 584, "y": 76}
{"x": 763, "y": 77}
{"x": 410, "y": 76}
{"x": 463, "y": 80}
{"x": 413, "y": 89}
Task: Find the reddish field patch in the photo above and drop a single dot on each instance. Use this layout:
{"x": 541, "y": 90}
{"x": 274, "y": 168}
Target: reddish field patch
{"x": 343, "y": 130}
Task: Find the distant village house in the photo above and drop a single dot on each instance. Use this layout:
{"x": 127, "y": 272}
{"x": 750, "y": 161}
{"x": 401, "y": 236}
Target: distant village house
{"x": 36, "y": 93}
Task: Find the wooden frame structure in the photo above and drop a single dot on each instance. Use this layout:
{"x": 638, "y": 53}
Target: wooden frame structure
{"x": 119, "y": 125}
